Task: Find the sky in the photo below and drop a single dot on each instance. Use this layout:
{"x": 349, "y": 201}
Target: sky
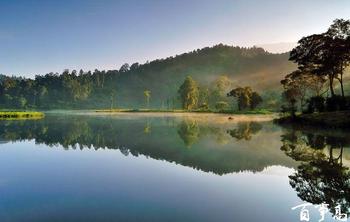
{"x": 42, "y": 36}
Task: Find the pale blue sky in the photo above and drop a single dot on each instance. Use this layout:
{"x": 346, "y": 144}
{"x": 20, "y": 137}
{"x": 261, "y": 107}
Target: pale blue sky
{"x": 38, "y": 36}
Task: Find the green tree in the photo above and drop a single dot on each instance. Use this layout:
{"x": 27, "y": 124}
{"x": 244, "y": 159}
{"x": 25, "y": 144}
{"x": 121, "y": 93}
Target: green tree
{"x": 314, "y": 56}
{"x": 22, "y": 102}
{"x": 339, "y": 32}
{"x": 290, "y": 95}
{"x": 302, "y": 84}
{"x": 124, "y": 68}
{"x": 256, "y": 100}
{"x": 113, "y": 98}
{"x": 189, "y": 94}
{"x": 243, "y": 96}
{"x": 8, "y": 100}
{"x": 326, "y": 54}
{"x": 91, "y": 89}
{"x": 221, "y": 106}
{"x": 219, "y": 89}
{"x": 147, "y": 94}
{"x": 204, "y": 97}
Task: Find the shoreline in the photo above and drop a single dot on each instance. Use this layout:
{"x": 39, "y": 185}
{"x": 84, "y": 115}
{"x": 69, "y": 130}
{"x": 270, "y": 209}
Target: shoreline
{"x": 248, "y": 112}
{"x": 198, "y": 116}
{"x": 330, "y": 120}
{"x": 14, "y": 115}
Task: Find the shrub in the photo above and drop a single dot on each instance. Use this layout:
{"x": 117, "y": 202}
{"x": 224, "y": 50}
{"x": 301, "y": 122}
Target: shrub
{"x": 221, "y": 106}
{"x": 315, "y": 104}
{"x": 347, "y": 102}
{"x": 204, "y": 107}
{"x": 335, "y": 103}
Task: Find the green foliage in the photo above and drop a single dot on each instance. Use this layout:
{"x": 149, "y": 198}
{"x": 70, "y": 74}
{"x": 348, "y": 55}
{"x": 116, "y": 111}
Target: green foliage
{"x": 204, "y": 107}
{"x": 147, "y": 95}
{"x": 242, "y": 95}
{"x": 255, "y": 100}
{"x": 320, "y": 58}
{"x": 113, "y": 95}
{"x": 271, "y": 100}
{"x": 246, "y": 98}
{"x": 289, "y": 96}
{"x": 163, "y": 77}
{"x": 189, "y": 94}
{"x": 221, "y": 106}
{"x": 219, "y": 89}
{"x": 336, "y": 103}
{"x": 20, "y": 115}
{"x": 21, "y": 102}
{"x": 316, "y": 104}
{"x": 204, "y": 94}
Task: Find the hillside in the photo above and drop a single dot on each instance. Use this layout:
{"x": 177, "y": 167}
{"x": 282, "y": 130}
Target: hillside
{"x": 124, "y": 87}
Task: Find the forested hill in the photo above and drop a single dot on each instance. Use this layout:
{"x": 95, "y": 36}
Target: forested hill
{"x": 125, "y": 87}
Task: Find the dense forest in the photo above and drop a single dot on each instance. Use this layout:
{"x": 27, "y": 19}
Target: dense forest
{"x": 154, "y": 84}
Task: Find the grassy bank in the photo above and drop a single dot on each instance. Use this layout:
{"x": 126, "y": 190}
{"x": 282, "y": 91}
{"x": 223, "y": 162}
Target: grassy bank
{"x": 340, "y": 119}
{"x": 9, "y": 115}
{"x": 260, "y": 111}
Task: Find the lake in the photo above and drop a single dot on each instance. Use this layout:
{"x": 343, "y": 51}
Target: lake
{"x": 168, "y": 167}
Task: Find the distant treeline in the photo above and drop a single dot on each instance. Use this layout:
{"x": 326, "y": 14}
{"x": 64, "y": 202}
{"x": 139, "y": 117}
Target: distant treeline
{"x": 153, "y": 84}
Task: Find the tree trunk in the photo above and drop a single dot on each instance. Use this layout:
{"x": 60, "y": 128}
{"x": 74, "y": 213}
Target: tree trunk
{"x": 341, "y": 85}
{"x": 341, "y": 81}
{"x": 331, "y": 155}
{"x": 331, "y": 84}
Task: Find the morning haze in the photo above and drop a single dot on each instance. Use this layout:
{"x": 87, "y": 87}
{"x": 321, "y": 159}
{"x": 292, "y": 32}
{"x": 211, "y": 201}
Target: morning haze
{"x": 196, "y": 110}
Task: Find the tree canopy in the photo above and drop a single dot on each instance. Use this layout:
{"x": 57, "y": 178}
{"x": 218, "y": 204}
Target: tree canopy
{"x": 246, "y": 97}
{"x": 320, "y": 58}
{"x": 189, "y": 93}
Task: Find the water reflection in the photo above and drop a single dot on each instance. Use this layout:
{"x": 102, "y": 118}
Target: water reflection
{"x": 245, "y": 130}
{"x": 204, "y": 145}
{"x": 323, "y": 175}
{"x": 188, "y": 131}
{"x": 319, "y": 161}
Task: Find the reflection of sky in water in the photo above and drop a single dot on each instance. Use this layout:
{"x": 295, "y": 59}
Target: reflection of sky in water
{"x": 45, "y": 183}
{"x": 39, "y": 183}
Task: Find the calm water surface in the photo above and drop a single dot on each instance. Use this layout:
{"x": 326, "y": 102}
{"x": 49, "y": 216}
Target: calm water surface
{"x": 168, "y": 168}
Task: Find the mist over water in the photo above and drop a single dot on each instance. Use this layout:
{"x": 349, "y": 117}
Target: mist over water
{"x": 84, "y": 167}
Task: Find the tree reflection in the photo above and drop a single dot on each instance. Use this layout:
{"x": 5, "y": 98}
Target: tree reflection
{"x": 189, "y": 132}
{"x": 245, "y": 130}
{"x": 147, "y": 128}
{"x": 321, "y": 176}
{"x": 212, "y": 148}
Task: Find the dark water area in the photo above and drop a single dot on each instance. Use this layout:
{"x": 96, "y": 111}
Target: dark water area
{"x": 169, "y": 168}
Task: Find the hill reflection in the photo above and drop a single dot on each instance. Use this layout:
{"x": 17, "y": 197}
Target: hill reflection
{"x": 220, "y": 148}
